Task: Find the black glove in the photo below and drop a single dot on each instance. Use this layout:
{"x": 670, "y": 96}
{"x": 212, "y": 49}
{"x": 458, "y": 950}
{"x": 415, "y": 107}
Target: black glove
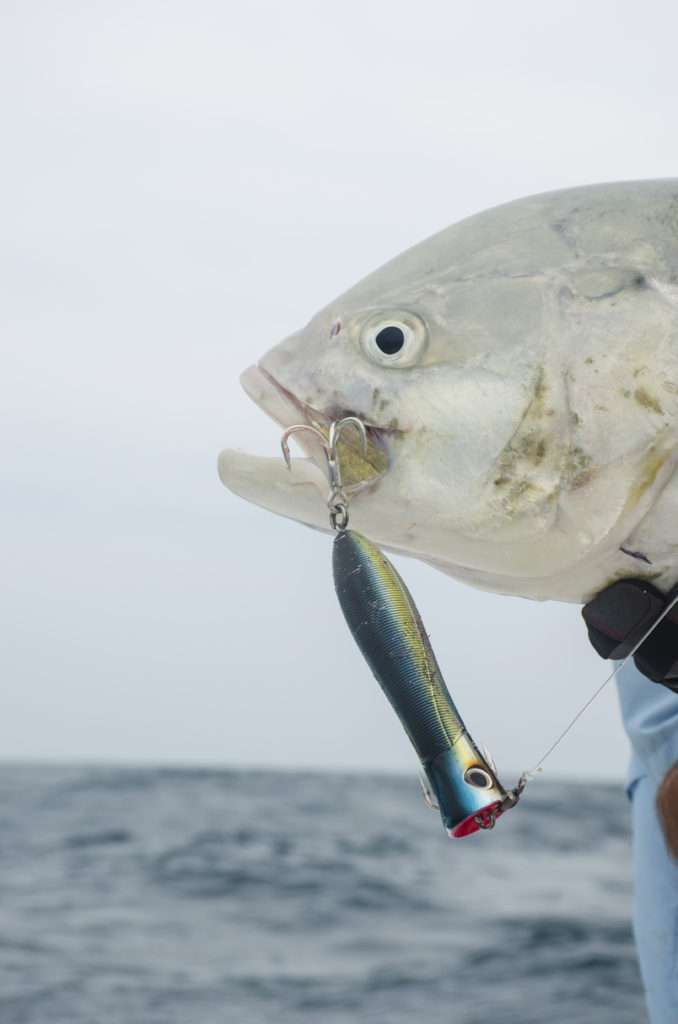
{"x": 620, "y": 615}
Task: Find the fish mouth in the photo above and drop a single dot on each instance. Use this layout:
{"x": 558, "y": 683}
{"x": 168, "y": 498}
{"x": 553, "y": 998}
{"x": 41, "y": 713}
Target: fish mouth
{"x": 359, "y": 469}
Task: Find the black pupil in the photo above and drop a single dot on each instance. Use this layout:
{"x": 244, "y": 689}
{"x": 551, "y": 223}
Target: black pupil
{"x": 477, "y": 778}
{"x": 390, "y": 340}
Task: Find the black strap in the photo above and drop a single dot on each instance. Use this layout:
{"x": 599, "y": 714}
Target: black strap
{"x": 619, "y": 616}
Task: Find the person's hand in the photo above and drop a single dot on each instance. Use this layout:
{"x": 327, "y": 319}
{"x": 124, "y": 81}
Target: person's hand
{"x": 667, "y": 808}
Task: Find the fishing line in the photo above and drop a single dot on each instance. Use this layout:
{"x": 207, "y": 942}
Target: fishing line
{"x": 538, "y": 767}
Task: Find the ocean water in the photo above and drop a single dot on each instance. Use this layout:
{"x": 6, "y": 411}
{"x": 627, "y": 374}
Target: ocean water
{"x": 226, "y": 897}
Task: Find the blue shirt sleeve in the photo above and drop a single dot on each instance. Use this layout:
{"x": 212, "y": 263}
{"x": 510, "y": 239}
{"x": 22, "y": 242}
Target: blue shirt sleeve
{"x": 650, "y": 714}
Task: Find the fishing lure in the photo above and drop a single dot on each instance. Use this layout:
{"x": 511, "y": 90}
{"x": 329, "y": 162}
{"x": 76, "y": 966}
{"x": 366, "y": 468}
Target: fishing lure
{"x": 461, "y": 782}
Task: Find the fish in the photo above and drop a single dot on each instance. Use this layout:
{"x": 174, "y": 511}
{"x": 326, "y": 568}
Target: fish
{"x": 385, "y": 623}
{"x": 517, "y": 374}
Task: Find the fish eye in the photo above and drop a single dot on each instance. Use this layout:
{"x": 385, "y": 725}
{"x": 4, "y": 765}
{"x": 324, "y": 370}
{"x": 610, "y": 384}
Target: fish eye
{"x": 390, "y": 340}
{"x": 478, "y": 777}
{"x": 395, "y": 340}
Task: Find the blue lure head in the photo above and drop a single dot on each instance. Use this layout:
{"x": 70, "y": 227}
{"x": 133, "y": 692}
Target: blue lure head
{"x": 466, "y": 790}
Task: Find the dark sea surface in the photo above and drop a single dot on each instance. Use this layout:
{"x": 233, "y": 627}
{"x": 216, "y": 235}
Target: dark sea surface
{"x": 204, "y": 897}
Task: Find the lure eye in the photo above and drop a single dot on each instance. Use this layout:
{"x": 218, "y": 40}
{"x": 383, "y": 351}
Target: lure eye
{"x": 394, "y": 340}
{"x": 478, "y": 777}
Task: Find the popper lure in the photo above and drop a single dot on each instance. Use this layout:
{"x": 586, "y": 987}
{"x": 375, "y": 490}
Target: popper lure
{"x": 381, "y": 614}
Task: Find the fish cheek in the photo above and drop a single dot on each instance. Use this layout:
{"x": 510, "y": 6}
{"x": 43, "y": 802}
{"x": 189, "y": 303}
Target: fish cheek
{"x": 526, "y": 474}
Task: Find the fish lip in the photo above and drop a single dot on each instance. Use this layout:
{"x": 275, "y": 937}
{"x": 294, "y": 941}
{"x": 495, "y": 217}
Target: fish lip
{"x": 312, "y": 416}
{"x": 310, "y": 412}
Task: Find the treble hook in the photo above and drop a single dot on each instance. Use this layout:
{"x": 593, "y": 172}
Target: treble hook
{"x": 337, "y": 501}
{"x": 428, "y": 795}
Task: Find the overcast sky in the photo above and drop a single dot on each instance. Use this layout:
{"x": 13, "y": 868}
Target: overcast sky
{"x": 182, "y": 185}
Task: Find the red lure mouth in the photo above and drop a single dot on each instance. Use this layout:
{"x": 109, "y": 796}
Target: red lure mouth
{"x": 482, "y": 820}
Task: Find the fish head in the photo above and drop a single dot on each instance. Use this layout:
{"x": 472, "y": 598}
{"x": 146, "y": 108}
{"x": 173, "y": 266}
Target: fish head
{"x": 509, "y": 442}
{"x": 438, "y": 372}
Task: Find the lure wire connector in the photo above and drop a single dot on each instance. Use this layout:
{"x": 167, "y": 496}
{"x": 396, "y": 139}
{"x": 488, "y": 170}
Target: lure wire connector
{"x": 514, "y": 795}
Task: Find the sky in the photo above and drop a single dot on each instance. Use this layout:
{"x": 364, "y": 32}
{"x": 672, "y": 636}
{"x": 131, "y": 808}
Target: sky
{"x": 182, "y": 186}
